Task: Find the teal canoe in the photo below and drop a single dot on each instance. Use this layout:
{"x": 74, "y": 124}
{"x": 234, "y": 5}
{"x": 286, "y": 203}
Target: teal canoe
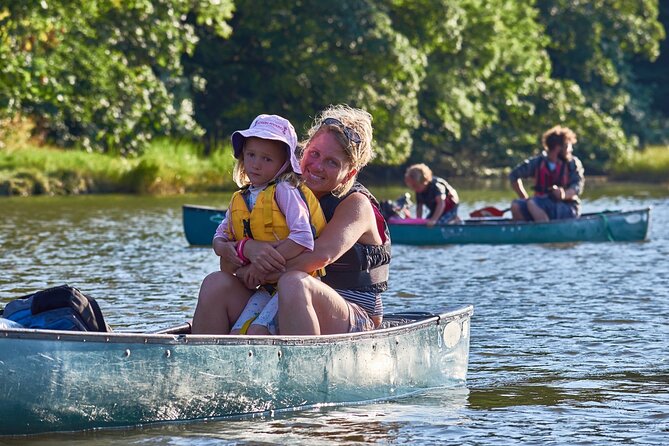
{"x": 614, "y": 226}
{"x": 200, "y": 223}
{"x": 64, "y": 381}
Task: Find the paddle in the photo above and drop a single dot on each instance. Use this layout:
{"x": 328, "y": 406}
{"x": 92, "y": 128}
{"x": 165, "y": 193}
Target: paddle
{"x": 489, "y": 211}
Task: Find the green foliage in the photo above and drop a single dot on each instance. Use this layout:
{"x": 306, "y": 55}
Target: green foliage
{"x": 650, "y": 93}
{"x": 650, "y": 165}
{"x": 488, "y": 98}
{"x": 483, "y": 77}
{"x": 459, "y": 84}
{"x": 295, "y": 58}
{"x": 104, "y": 74}
{"x": 167, "y": 166}
{"x": 596, "y": 45}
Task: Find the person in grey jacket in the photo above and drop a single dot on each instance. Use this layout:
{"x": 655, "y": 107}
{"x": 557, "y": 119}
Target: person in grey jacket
{"x": 558, "y": 180}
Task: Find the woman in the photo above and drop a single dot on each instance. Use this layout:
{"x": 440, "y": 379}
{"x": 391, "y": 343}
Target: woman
{"x": 354, "y": 247}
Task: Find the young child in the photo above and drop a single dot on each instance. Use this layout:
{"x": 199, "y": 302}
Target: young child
{"x": 440, "y": 197}
{"x": 271, "y": 206}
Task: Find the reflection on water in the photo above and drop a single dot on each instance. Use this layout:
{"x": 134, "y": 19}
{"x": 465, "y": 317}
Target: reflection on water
{"x": 568, "y": 342}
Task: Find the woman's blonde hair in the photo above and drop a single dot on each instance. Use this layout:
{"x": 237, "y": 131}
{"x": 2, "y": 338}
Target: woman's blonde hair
{"x": 357, "y": 122}
{"x": 240, "y": 177}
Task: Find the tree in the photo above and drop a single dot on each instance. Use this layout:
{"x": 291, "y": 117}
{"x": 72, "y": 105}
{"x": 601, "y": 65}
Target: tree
{"x": 596, "y": 45}
{"x": 103, "y": 74}
{"x": 510, "y": 69}
{"x": 652, "y": 86}
{"x": 297, "y": 57}
{"x": 485, "y": 63}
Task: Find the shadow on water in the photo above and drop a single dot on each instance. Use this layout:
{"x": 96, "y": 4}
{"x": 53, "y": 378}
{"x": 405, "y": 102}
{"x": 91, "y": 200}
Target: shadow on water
{"x": 555, "y": 390}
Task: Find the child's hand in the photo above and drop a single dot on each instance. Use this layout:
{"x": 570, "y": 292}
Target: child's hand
{"x": 230, "y": 261}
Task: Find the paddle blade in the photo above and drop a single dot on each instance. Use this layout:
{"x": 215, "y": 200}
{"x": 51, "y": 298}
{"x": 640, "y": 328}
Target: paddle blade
{"x": 489, "y": 211}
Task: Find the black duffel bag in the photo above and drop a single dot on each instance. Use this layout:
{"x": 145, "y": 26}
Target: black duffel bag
{"x": 59, "y": 308}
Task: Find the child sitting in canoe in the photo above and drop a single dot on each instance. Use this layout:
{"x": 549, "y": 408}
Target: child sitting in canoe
{"x": 272, "y": 205}
{"x": 440, "y": 197}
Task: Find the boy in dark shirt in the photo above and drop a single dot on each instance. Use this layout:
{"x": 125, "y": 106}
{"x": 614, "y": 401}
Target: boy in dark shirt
{"x": 440, "y": 197}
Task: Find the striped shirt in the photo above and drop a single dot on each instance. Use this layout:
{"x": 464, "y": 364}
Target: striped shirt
{"x": 367, "y": 300}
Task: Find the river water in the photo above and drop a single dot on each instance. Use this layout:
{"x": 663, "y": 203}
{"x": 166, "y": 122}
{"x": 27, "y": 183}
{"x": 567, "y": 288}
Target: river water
{"x": 569, "y": 343}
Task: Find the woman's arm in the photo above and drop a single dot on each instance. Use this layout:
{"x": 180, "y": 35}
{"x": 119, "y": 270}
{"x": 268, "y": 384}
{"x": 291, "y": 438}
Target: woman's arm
{"x": 353, "y": 221}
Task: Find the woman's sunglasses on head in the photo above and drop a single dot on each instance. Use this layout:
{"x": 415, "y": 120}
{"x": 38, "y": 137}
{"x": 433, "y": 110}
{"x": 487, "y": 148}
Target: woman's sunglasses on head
{"x": 350, "y": 134}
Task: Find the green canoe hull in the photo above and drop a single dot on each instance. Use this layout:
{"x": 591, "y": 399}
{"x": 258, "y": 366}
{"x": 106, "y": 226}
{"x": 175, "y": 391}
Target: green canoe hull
{"x": 66, "y": 381}
{"x": 618, "y": 226}
{"x": 200, "y": 223}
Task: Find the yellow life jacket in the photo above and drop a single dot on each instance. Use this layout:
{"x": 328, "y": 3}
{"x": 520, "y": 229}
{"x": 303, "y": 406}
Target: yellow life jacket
{"x": 266, "y": 222}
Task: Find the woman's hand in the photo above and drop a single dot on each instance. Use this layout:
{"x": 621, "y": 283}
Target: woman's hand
{"x": 264, "y": 257}
{"x": 250, "y": 276}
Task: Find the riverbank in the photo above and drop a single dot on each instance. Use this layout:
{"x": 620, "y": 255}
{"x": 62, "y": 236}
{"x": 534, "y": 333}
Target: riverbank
{"x": 174, "y": 167}
{"x": 166, "y": 167}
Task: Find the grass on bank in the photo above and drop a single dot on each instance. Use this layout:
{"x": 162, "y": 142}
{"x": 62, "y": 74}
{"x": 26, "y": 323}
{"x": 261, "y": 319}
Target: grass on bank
{"x": 170, "y": 166}
{"x": 650, "y": 165}
{"x": 166, "y": 167}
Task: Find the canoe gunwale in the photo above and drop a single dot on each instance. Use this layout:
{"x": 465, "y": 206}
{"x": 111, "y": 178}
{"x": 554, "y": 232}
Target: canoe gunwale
{"x": 190, "y": 339}
{"x": 496, "y": 221}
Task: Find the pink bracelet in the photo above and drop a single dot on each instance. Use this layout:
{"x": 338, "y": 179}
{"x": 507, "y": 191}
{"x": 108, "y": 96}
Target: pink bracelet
{"x": 240, "y": 250}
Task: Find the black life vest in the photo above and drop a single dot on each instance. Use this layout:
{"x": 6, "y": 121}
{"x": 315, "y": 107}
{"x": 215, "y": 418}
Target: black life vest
{"x": 429, "y": 196}
{"x": 363, "y": 267}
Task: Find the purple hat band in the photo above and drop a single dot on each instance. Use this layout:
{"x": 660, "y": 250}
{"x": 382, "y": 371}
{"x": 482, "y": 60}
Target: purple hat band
{"x": 272, "y": 127}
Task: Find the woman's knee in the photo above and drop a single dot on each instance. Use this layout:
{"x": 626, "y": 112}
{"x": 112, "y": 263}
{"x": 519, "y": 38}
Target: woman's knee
{"x": 215, "y": 285}
{"x": 293, "y": 280}
{"x": 211, "y": 282}
{"x": 293, "y": 286}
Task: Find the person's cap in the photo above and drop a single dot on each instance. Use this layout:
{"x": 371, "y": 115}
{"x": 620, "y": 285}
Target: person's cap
{"x": 269, "y": 127}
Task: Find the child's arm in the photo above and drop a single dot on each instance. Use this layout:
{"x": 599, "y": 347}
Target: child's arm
{"x": 229, "y": 261}
{"x": 299, "y": 239}
{"x": 438, "y": 211}
{"x": 224, "y": 247}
